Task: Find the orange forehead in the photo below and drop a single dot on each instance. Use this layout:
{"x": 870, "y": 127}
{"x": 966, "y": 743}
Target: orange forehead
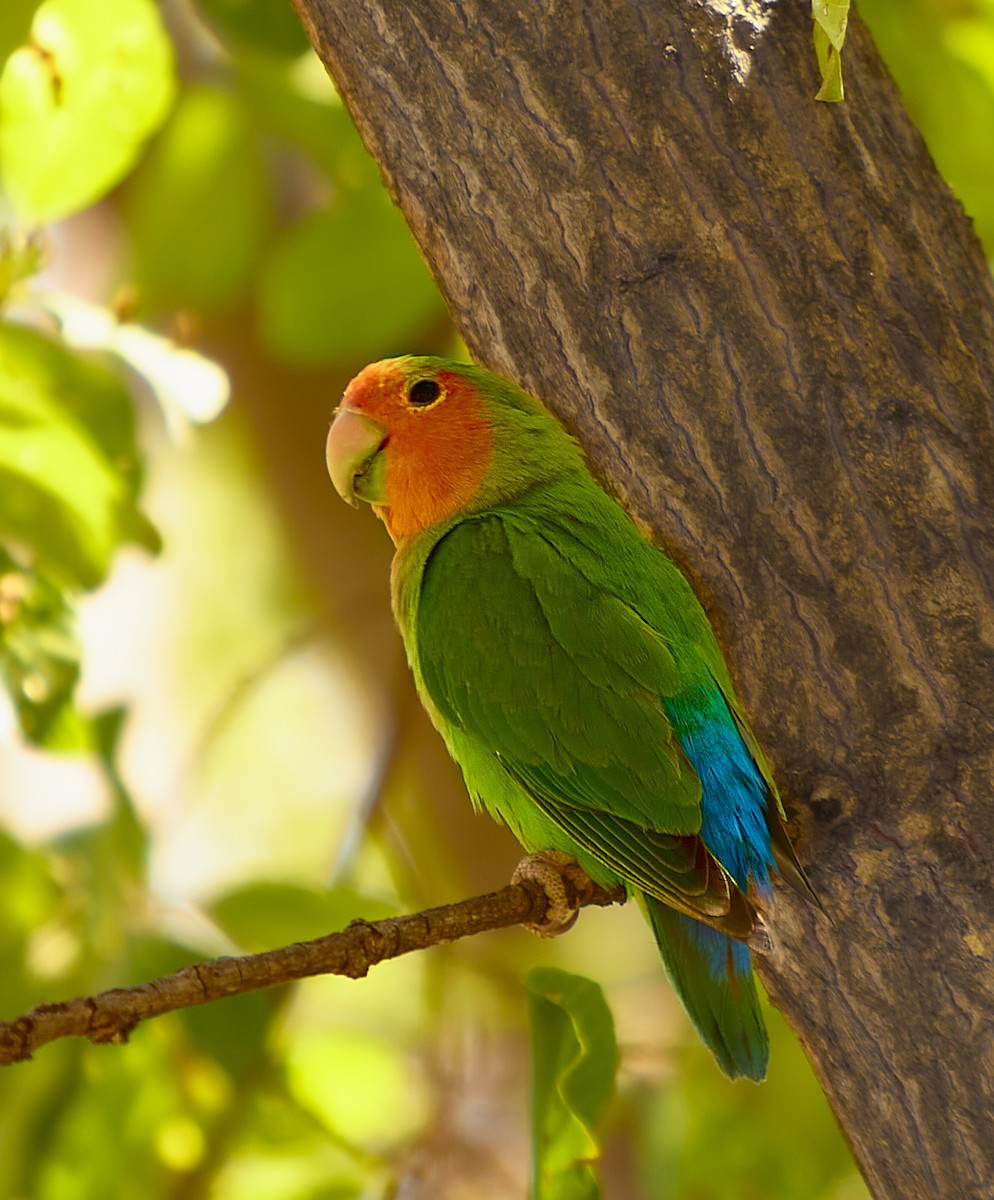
{"x": 380, "y": 390}
{"x": 437, "y": 453}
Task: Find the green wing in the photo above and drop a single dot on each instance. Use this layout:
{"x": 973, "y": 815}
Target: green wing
{"x": 562, "y": 681}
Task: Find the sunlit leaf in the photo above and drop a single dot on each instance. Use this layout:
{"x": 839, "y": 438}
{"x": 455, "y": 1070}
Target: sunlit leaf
{"x": 574, "y": 1059}
{"x": 831, "y": 18}
{"x": 77, "y": 101}
{"x": 346, "y": 285}
{"x": 68, "y": 464}
{"x": 263, "y": 915}
{"x": 830, "y": 65}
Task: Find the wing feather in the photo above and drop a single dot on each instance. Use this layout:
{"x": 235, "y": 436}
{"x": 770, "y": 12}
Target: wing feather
{"x": 564, "y": 683}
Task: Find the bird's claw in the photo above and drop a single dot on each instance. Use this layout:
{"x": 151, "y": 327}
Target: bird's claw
{"x": 566, "y": 886}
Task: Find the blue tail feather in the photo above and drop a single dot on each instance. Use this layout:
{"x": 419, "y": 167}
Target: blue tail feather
{"x": 711, "y": 972}
{"x": 734, "y": 794}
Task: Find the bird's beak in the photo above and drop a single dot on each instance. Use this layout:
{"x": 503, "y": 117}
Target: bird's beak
{"x": 355, "y": 464}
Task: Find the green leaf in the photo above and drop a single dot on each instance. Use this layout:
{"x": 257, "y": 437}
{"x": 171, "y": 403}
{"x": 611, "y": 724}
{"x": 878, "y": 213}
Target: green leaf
{"x": 68, "y": 464}
{"x": 261, "y": 916}
{"x": 269, "y": 26}
{"x": 28, "y": 898}
{"x": 77, "y": 101}
{"x": 298, "y": 104}
{"x": 347, "y": 285}
{"x": 696, "y": 1131}
{"x": 199, "y": 206}
{"x": 574, "y": 1060}
{"x": 831, "y": 20}
{"x": 39, "y": 656}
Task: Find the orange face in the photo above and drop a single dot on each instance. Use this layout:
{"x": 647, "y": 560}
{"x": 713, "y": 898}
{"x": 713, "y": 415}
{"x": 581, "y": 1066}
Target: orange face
{"x": 414, "y": 442}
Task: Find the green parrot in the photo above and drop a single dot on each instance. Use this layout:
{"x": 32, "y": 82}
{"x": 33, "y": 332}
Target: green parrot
{"x": 571, "y": 671}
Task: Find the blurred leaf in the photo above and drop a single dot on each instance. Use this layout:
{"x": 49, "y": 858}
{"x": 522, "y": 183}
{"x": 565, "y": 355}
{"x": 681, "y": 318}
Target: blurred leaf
{"x": 346, "y": 285}
{"x": 949, "y": 94}
{"x": 302, "y": 107}
{"x": 28, "y": 896}
{"x": 68, "y": 462}
{"x": 779, "y": 1140}
{"x": 39, "y": 656}
{"x": 15, "y": 25}
{"x": 574, "y": 1059}
{"x": 199, "y": 206}
{"x": 236, "y": 1031}
{"x": 77, "y": 101}
{"x": 19, "y": 260}
{"x": 101, "y": 1135}
{"x": 261, "y": 916}
{"x": 127, "y": 839}
{"x": 361, "y": 1085}
{"x": 972, "y": 41}
{"x": 108, "y": 862}
{"x": 270, "y": 26}
{"x": 187, "y": 385}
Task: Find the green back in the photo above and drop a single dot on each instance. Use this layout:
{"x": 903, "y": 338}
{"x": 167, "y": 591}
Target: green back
{"x": 506, "y": 614}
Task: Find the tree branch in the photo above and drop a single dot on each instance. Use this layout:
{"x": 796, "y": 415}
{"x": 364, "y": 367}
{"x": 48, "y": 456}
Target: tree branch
{"x": 110, "y": 1016}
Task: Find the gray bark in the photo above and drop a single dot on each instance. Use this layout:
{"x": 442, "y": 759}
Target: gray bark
{"x": 770, "y": 324}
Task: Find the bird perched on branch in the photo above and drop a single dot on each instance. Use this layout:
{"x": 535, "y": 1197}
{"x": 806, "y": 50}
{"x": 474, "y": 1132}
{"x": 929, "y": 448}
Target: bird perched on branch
{"x": 572, "y": 672}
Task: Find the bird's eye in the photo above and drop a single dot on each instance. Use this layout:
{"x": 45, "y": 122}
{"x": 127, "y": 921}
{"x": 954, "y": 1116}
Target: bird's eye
{"x": 425, "y": 391}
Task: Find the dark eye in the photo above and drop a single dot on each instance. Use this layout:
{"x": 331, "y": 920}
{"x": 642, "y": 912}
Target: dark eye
{"x": 425, "y": 391}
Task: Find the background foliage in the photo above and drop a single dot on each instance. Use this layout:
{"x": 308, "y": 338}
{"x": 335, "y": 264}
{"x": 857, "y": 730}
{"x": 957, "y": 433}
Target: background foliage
{"x": 210, "y": 743}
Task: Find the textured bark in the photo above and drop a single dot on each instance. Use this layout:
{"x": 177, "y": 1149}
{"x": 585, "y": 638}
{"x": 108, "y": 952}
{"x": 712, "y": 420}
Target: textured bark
{"x": 771, "y": 326}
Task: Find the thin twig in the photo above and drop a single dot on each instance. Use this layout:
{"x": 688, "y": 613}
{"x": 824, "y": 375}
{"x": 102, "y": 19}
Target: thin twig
{"x": 111, "y": 1016}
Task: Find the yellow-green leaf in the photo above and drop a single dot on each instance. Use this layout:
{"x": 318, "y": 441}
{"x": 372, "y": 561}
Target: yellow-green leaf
{"x": 78, "y": 99}
{"x": 831, "y": 21}
{"x": 574, "y": 1059}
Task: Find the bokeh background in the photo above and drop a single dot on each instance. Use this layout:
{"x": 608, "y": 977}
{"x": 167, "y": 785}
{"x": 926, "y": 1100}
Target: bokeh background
{"x": 209, "y": 742}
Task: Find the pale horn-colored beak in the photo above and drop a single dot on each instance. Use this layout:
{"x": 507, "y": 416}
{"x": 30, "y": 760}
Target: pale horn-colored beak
{"x": 355, "y": 464}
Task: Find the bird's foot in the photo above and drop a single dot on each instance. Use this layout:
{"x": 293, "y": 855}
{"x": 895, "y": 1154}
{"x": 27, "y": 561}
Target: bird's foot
{"x": 566, "y": 886}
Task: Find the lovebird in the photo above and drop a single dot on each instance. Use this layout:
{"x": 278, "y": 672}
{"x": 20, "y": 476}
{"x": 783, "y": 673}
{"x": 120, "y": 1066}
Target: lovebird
{"x": 572, "y": 672}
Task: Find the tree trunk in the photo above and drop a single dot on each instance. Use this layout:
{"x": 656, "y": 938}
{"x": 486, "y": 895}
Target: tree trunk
{"x": 771, "y": 326}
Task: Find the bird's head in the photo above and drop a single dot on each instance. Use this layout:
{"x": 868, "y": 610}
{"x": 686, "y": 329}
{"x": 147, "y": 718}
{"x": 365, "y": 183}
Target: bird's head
{"x": 422, "y": 439}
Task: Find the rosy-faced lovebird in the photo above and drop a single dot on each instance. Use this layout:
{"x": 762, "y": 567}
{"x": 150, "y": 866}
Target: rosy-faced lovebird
{"x": 571, "y": 671}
